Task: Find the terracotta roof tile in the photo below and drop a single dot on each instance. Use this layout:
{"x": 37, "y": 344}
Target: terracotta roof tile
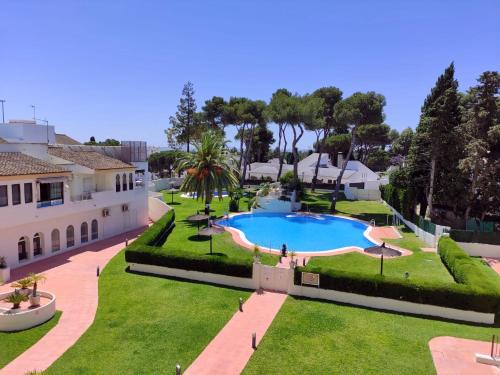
{"x": 17, "y": 164}
{"x": 3, "y": 141}
{"x": 89, "y": 159}
{"x": 63, "y": 139}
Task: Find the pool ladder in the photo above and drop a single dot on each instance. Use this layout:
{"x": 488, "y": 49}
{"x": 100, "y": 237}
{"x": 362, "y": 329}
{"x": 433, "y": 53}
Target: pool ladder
{"x": 372, "y": 223}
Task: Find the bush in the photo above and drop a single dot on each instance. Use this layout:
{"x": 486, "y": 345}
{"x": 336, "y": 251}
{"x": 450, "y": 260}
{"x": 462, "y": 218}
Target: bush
{"x": 157, "y": 233}
{"x": 234, "y": 205}
{"x": 491, "y": 238}
{"x": 158, "y": 256}
{"x": 456, "y": 296}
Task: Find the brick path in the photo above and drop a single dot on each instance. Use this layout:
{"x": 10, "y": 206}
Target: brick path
{"x": 230, "y": 350}
{"x": 71, "y": 276}
{"x": 454, "y": 356}
{"x": 493, "y": 263}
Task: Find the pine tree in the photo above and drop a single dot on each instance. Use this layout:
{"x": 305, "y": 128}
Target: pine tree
{"x": 435, "y": 151}
{"x": 184, "y": 122}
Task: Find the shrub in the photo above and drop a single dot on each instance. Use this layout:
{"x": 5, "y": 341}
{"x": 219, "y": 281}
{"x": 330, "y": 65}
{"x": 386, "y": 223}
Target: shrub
{"x": 159, "y": 256}
{"x": 157, "y": 234}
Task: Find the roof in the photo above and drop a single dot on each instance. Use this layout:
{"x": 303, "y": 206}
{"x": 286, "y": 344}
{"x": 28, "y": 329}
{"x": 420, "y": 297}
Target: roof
{"x": 63, "y": 139}
{"x": 18, "y": 164}
{"x": 3, "y": 141}
{"x": 89, "y": 159}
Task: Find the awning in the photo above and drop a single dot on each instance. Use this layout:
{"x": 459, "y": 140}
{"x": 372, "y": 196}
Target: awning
{"x": 48, "y": 180}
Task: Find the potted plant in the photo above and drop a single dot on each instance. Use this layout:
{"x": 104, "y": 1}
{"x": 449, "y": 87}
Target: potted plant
{"x": 23, "y": 285}
{"x": 35, "y": 279}
{"x": 4, "y": 270}
{"x": 16, "y": 298}
{"x": 256, "y": 254}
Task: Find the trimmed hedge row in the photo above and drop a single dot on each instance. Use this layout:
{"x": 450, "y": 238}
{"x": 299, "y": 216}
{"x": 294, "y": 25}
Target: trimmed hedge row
{"x": 456, "y": 296}
{"x": 465, "y": 269}
{"x": 491, "y": 238}
{"x": 475, "y": 290}
{"x": 147, "y": 250}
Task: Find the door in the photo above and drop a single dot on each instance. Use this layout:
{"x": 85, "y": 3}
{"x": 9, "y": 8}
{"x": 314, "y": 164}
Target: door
{"x": 274, "y": 278}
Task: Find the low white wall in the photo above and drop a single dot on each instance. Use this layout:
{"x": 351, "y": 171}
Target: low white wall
{"x": 27, "y": 318}
{"x": 213, "y": 278}
{"x": 480, "y": 249}
{"x": 157, "y": 208}
{"x": 4, "y": 275}
{"x": 165, "y": 183}
{"x": 392, "y": 304}
{"x": 353, "y": 193}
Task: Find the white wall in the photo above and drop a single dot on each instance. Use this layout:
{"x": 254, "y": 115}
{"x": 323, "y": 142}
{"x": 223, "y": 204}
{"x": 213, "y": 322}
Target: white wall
{"x": 353, "y": 193}
{"x": 28, "y": 133}
{"x": 480, "y": 249}
{"x": 157, "y": 208}
{"x": 28, "y": 318}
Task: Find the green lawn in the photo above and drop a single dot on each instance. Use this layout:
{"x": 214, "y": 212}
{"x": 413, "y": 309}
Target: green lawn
{"x": 12, "y": 344}
{"x": 316, "y": 337}
{"x": 184, "y": 234}
{"x": 423, "y": 267}
{"x": 147, "y": 324}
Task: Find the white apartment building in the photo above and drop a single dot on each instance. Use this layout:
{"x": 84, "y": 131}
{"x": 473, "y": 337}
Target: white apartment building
{"x": 57, "y": 195}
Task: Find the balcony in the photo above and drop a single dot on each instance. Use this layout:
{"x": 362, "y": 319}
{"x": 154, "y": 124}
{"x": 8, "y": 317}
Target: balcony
{"x": 49, "y": 203}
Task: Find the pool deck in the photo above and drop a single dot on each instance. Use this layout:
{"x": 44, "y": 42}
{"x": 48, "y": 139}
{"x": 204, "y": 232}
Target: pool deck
{"x": 375, "y": 234}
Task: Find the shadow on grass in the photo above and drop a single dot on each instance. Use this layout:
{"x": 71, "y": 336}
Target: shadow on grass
{"x": 198, "y": 238}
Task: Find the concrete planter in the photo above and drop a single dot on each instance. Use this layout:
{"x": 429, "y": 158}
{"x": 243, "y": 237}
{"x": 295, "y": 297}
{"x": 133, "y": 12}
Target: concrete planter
{"x": 35, "y": 301}
{"x": 26, "y": 291}
{"x": 4, "y": 275}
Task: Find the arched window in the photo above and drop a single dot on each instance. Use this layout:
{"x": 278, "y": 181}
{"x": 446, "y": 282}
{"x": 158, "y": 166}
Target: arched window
{"x": 22, "y": 249}
{"x": 37, "y": 244}
{"x": 130, "y": 181}
{"x": 70, "y": 236}
{"x": 95, "y": 229}
{"x": 84, "y": 232}
{"x": 124, "y": 182}
{"x": 56, "y": 243}
{"x": 118, "y": 185}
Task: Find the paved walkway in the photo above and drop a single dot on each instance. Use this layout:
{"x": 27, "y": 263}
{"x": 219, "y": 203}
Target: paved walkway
{"x": 493, "y": 263}
{"x": 454, "y": 356}
{"x": 230, "y": 350}
{"x": 71, "y": 276}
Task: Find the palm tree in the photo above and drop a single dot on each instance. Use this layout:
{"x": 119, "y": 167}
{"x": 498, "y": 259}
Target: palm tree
{"x": 35, "y": 279}
{"x": 209, "y": 169}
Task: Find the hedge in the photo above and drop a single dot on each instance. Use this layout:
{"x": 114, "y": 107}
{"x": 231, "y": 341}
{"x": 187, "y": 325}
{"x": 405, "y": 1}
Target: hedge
{"x": 475, "y": 289}
{"x": 491, "y": 238}
{"x": 147, "y": 249}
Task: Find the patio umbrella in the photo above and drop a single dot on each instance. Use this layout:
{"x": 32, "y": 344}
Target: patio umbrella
{"x": 172, "y": 191}
{"x": 209, "y": 231}
{"x": 382, "y": 250}
{"x": 197, "y": 219}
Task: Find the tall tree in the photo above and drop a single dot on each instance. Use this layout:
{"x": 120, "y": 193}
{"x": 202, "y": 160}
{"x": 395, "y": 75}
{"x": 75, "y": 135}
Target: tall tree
{"x": 183, "y": 123}
{"x": 481, "y": 157}
{"x": 401, "y": 144}
{"x": 434, "y": 154}
{"x": 208, "y": 169}
{"x": 213, "y": 113}
{"x": 277, "y": 113}
{"x": 330, "y": 96}
{"x": 371, "y": 137}
{"x": 357, "y": 110}
{"x": 263, "y": 139}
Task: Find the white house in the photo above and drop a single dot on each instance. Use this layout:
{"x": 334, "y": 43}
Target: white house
{"x": 355, "y": 173}
{"x": 57, "y": 195}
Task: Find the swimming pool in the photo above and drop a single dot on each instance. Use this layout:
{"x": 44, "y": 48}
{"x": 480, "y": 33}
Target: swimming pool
{"x": 301, "y": 233}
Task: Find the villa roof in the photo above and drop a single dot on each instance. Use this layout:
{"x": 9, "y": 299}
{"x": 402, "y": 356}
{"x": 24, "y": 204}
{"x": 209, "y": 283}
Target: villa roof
{"x": 18, "y": 164}
{"x": 63, "y": 139}
{"x": 89, "y": 159}
{"x": 3, "y": 141}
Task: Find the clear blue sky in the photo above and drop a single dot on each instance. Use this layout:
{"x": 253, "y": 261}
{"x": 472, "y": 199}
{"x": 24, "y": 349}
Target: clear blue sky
{"x": 116, "y": 68}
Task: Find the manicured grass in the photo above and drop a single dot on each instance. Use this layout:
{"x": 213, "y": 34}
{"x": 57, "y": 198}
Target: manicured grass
{"x": 146, "y": 324}
{"x": 184, "y": 236}
{"x": 422, "y": 266}
{"x": 316, "y": 337}
{"x": 12, "y": 344}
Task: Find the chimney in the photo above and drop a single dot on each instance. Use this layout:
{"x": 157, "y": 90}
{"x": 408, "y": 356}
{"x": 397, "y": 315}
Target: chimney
{"x": 340, "y": 160}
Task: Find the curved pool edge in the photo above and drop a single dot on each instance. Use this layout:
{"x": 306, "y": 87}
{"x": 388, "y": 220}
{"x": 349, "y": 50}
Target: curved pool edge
{"x": 239, "y": 237}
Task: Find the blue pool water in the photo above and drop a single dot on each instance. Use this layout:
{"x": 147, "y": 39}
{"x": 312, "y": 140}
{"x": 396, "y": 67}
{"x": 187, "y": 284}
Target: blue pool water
{"x": 300, "y": 233}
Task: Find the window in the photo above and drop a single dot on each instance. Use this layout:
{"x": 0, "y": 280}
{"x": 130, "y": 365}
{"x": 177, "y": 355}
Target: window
{"x": 130, "y": 181}
{"x": 16, "y": 194}
{"x": 70, "y": 236}
{"x": 84, "y": 232}
{"x": 51, "y": 194}
{"x": 118, "y": 186}
{"x": 37, "y": 244}
{"x": 56, "y": 245}
{"x": 95, "y": 229}
{"x": 4, "y": 199}
{"x": 124, "y": 182}
{"x": 22, "y": 251}
{"x": 28, "y": 192}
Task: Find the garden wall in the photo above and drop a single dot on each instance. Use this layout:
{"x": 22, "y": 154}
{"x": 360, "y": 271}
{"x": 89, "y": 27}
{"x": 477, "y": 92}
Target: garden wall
{"x": 481, "y": 249}
{"x": 157, "y": 208}
{"x": 392, "y": 304}
{"x": 353, "y": 193}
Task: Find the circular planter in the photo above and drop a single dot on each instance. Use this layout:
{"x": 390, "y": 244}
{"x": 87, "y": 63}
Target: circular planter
{"x": 20, "y": 319}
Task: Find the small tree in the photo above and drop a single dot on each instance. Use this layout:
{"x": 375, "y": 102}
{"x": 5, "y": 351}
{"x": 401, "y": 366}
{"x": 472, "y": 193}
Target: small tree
{"x": 183, "y": 123}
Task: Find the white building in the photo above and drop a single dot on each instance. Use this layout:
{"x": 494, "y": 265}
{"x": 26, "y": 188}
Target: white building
{"x": 355, "y": 173}
{"x": 59, "y": 195}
